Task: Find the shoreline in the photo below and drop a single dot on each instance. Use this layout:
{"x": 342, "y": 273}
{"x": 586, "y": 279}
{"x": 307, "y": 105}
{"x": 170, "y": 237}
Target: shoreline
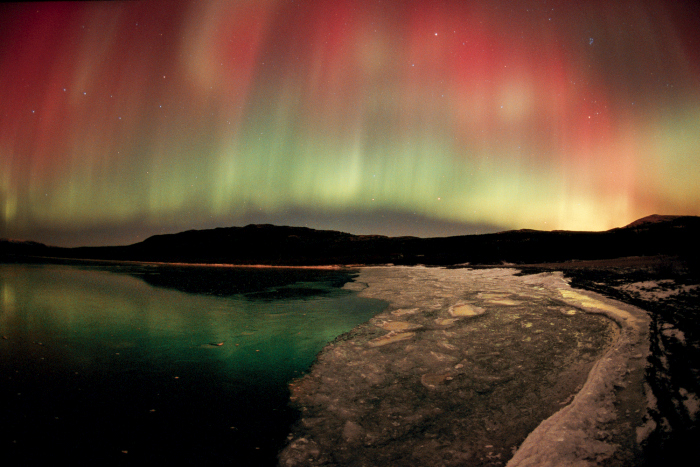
{"x": 330, "y": 267}
{"x": 625, "y": 261}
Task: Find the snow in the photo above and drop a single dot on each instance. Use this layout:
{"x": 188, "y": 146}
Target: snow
{"x": 656, "y": 290}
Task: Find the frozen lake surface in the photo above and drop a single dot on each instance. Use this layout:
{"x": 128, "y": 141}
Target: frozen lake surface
{"x": 475, "y": 367}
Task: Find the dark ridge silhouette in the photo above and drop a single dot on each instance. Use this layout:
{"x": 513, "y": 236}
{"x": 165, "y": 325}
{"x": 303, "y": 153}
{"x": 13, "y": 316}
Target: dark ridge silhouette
{"x": 648, "y": 220}
{"x": 300, "y": 246}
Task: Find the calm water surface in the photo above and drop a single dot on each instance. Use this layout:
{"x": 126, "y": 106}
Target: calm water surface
{"x": 136, "y": 364}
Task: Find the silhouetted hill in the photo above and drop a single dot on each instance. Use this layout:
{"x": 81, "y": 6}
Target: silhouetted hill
{"x": 649, "y": 220}
{"x": 22, "y": 248}
{"x": 280, "y": 245}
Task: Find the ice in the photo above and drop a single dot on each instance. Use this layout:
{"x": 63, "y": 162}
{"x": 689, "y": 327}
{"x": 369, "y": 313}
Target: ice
{"x": 464, "y": 380}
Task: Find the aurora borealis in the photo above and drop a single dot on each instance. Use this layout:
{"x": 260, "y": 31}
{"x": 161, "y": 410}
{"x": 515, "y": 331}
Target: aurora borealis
{"x": 120, "y": 120}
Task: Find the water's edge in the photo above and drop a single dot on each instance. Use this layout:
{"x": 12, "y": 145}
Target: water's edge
{"x": 135, "y": 363}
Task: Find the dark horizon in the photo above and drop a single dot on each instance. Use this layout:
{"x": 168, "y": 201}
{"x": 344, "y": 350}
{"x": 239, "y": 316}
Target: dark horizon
{"x": 100, "y": 237}
{"x": 267, "y": 244}
{"x": 386, "y": 223}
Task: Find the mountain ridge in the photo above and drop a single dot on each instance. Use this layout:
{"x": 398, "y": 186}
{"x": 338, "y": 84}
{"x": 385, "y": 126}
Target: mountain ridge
{"x": 269, "y": 244}
{"x": 651, "y": 219}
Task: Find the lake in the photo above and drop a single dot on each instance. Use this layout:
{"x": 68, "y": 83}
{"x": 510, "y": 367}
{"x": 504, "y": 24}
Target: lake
{"x": 133, "y": 364}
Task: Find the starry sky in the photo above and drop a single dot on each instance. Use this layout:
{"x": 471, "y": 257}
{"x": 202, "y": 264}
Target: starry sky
{"x": 120, "y": 120}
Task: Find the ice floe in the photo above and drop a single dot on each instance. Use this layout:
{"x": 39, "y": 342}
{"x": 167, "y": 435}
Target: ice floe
{"x": 485, "y": 363}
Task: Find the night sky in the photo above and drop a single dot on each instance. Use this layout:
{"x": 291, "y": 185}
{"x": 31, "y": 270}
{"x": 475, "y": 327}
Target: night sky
{"x": 120, "y": 120}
